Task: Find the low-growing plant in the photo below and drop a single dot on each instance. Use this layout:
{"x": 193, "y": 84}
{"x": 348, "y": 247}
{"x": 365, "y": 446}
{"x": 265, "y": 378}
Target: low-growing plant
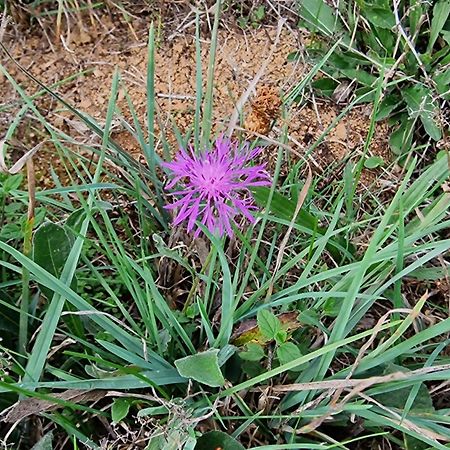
{"x": 262, "y": 334}
{"x": 406, "y": 43}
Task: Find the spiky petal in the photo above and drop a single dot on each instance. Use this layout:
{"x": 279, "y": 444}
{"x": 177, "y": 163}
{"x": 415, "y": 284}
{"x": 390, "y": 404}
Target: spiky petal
{"x": 214, "y": 185}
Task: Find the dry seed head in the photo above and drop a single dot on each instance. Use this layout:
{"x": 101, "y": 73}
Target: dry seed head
{"x": 265, "y": 110}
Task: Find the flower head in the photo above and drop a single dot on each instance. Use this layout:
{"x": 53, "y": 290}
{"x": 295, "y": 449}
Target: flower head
{"x": 214, "y": 185}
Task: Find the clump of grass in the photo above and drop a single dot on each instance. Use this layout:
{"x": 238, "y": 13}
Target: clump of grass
{"x": 271, "y": 344}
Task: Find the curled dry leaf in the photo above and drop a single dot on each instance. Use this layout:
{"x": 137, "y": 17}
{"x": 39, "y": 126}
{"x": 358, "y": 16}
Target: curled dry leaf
{"x": 31, "y": 406}
{"x": 17, "y": 167}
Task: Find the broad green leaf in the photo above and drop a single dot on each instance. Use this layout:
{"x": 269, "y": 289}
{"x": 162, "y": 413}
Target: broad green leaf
{"x": 259, "y": 13}
{"x": 11, "y": 231}
{"x": 318, "y": 16}
{"x": 446, "y": 36}
{"x": 401, "y": 139}
{"x": 217, "y": 440}
{"x": 284, "y": 209}
{"x": 120, "y": 409}
{"x": 442, "y": 80}
{"x": 12, "y": 182}
{"x": 411, "y": 443}
{"x": 281, "y": 336}
{"x": 45, "y": 443}
{"x": 326, "y": 86}
{"x": 420, "y": 104}
{"x": 380, "y": 17}
{"x": 156, "y": 443}
{"x": 415, "y": 13}
{"x": 441, "y": 12}
{"x": 389, "y": 104}
{"x": 51, "y": 248}
{"x": 202, "y": 367}
{"x": 268, "y": 323}
{"x": 373, "y": 162}
{"x": 253, "y": 352}
{"x": 249, "y": 331}
{"x": 287, "y": 352}
{"x": 309, "y": 317}
{"x": 432, "y": 128}
{"x": 153, "y": 411}
{"x": 362, "y": 76}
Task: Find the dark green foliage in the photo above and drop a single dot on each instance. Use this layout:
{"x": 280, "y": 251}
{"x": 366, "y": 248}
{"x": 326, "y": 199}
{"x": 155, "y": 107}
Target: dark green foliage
{"x": 217, "y": 439}
{"x": 407, "y": 48}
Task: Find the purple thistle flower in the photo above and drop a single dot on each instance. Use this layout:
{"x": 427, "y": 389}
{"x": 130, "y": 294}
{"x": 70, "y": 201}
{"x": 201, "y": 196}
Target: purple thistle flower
{"x": 214, "y": 185}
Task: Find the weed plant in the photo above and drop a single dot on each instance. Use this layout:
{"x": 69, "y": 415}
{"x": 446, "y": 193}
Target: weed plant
{"x": 266, "y": 337}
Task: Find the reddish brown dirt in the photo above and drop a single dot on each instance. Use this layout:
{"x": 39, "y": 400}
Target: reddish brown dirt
{"x": 239, "y": 57}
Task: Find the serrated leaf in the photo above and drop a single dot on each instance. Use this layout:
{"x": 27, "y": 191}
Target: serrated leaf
{"x": 259, "y": 13}
{"x": 281, "y": 337}
{"x": 51, "y": 248}
{"x": 253, "y": 352}
{"x": 287, "y": 352}
{"x": 45, "y": 443}
{"x": 441, "y": 12}
{"x": 217, "y": 440}
{"x": 120, "y": 409}
{"x": 268, "y": 323}
{"x": 202, "y": 367}
{"x": 249, "y": 331}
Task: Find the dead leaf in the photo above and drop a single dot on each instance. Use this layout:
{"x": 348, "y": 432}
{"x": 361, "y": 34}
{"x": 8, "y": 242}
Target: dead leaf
{"x": 31, "y": 406}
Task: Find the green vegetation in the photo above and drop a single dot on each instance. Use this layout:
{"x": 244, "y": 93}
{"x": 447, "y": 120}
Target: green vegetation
{"x": 404, "y": 44}
{"x": 303, "y": 332}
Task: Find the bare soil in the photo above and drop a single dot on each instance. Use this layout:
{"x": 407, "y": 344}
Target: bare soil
{"x": 94, "y": 52}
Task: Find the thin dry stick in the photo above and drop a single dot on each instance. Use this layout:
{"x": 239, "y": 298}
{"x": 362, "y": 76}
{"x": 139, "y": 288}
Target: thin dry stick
{"x": 244, "y": 97}
{"x": 27, "y": 248}
{"x": 358, "y": 383}
{"x": 3, "y": 25}
{"x": 398, "y": 420}
{"x": 359, "y": 386}
{"x": 335, "y": 404}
